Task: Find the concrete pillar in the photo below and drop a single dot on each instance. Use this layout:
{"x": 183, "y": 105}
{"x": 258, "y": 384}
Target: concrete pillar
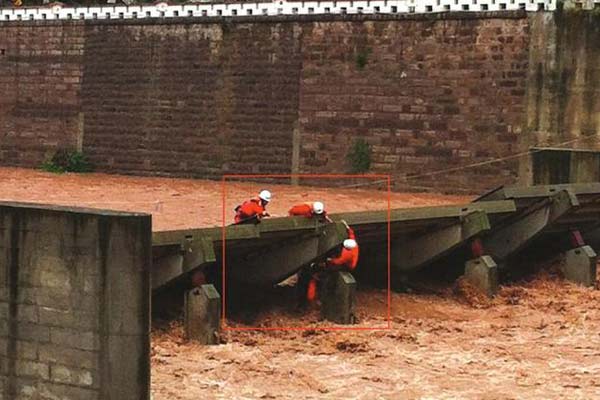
{"x": 579, "y": 265}
{"x": 421, "y": 250}
{"x": 296, "y": 144}
{"x": 86, "y": 276}
{"x": 203, "y": 314}
{"x": 338, "y": 297}
{"x": 514, "y": 235}
{"x": 482, "y": 273}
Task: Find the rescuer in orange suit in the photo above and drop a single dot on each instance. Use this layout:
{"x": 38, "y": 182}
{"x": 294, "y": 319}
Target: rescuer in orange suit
{"x": 309, "y": 210}
{"x": 345, "y": 261}
{"x": 251, "y": 211}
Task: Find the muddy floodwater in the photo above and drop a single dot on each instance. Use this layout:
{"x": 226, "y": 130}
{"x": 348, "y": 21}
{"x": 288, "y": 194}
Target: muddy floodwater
{"x": 538, "y": 339}
{"x": 188, "y": 203}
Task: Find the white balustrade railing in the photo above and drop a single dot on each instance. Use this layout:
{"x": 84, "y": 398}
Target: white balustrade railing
{"x": 163, "y": 10}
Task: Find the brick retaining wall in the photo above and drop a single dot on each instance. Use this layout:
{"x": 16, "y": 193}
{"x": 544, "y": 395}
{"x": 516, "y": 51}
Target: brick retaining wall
{"x": 200, "y": 98}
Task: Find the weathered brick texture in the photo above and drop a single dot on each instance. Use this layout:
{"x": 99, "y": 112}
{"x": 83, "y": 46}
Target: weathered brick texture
{"x": 40, "y": 79}
{"x": 427, "y": 95}
{"x": 74, "y": 304}
{"x": 197, "y": 100}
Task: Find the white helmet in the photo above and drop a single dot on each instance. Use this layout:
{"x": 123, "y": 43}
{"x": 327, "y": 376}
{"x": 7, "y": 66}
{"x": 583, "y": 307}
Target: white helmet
{"x": 265, "y": 195}
{"x": 350, "y": 244}
{"x": 318, "y": 207}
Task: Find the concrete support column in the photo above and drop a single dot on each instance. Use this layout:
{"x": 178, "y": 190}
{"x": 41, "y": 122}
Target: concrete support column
{"x": 283, "y": 258}
{"x": 419, "y": 251}
{"x": 296, "y": 144}
{"x": 520, "y": 230}
{"x": 579, "y": 265}
{"x": 180, "y": 261}
{"x": 203, "y": 314}
{"x": 338, "y": 297}
{"x": 482, "y": 272}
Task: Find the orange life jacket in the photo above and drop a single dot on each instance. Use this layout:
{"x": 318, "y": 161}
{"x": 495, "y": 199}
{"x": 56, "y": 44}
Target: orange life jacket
{"x": 348, "y": 258}
{"x": 304, "y": 210}
{"x": 248, "y": 209}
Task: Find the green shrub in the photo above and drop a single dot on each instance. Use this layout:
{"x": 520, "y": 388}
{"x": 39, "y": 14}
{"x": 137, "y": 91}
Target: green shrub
{"x": 362, "y": 59}
{"x": 359, "y": 156}
{"x": 67, "y": 161}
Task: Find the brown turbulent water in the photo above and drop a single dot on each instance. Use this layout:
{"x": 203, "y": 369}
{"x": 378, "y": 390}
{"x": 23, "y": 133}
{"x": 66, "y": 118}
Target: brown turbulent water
{"x": 538, "y": 339}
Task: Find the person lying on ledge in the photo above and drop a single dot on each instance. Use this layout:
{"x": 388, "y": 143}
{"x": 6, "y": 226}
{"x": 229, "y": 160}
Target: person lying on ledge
{"x": 310, "y": 210}
{"x": 253, "y": 210}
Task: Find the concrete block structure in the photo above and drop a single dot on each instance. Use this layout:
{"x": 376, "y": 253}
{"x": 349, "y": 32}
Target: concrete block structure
{"x": 548, "y": 214}
{"x": 482, "y": 273}
{"x": 551, "y": 166}
{"x": 273, "y": 250}
{"x": 338, "y": 297}
{"x": 579, "y": 265}
{"x": 203, "y": 314}
{"x": 419, "y": 236}
{"x": 74, "y": 303}
{"x": 501, "y": 227}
